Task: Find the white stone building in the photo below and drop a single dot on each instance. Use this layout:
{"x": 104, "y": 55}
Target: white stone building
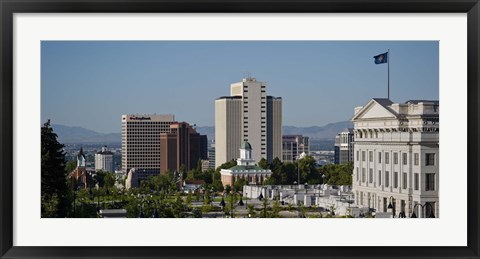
{"x": 248, "y": 114}
{"x": 104, "y": 160}
{"x": 344, "y": 146}
{"x": 396, "y": 152}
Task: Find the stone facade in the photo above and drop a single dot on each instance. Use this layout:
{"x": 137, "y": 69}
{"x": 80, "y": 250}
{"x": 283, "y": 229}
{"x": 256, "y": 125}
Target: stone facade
{"x": 396, "y": 156}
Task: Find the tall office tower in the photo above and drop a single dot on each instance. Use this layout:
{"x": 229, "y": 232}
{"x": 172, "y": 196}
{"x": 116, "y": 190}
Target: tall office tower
{"x": 141, "y": 142}
{"x": 211, "y": 155}
{"x": 248, "y": 114}
{"x": 181, "y": 147}
{"x": 397, "y": 156}
{"x": 274, "y": 128}
{"x": 293, "y": 146}
{"x": 344, "y": 146}
{"x": 104, "y": 160}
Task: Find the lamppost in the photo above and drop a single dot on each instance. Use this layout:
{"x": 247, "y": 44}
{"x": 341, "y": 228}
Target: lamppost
{"x": 300, "y": 157}
{"x": 260, "y": 197}
{"x": 222, "y": 203}
{"x": 369, "y": 213}
{"x": 212, "y": 192}
{"x": 98, "y": 197}
{"x": 423, "y": 206}
{"x": 390, "y": 206}
{"x": 323, "y": 178}
{"x": 232, "y": 199}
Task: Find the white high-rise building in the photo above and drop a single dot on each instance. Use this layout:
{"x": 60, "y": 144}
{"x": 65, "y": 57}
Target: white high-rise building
{"x": 396, "y": 157}
{"x": 248, "y": 114}
{"x": 104, "y": 160}
{"x": 141, "y": 141}
{"x": 344, "y": 146}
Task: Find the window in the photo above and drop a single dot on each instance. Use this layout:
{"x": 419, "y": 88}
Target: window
{"x": 370, "y": 175}
{"x": 415, "y": 182}
{"x": 429, "y": 209}
{"x": 379, "y": 177}
{"x": 379, "y": 157}
{"x": 363, "y": 174}
{"x": 370, "y": 156}
{"x": 363, "y": 156}
{"x": 357, "y": 155}
{"x": 387, "y": 158}
{"x": 416, "y": 156}
{"x": 430, "y": 159}
{"x": 387, "y": 178}
{"x": 358, "y": 173}
{"x": 404, "y": 158}
{"x": 404, "y": 181}
{"x": 395, "y": 179}
{"x": 395, "y": 158}
{"x": 430, "y": 182}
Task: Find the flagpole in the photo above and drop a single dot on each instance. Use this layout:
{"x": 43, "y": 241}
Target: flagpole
{"x": 388, "y": 61}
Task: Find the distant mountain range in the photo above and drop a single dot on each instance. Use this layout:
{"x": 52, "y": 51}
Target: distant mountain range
{"x": 68, "y": 134}
{"x": 80, "y": 135}
{"x": 314, "y": 132}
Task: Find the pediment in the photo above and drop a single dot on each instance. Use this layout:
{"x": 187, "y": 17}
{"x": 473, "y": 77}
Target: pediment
{"x": 374, "y": 110}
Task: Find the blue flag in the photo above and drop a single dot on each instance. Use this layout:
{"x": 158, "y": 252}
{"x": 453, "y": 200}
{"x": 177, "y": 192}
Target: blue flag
{"x": 382, "y": 58}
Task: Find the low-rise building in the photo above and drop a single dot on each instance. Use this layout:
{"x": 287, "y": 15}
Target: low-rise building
{"x": 245, "y": 169}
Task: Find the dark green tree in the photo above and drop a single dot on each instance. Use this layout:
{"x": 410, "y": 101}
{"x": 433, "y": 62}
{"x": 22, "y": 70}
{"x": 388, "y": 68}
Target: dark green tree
{"x": 227, "y": 165}
{"x": 308, "y": 170}
{"x": 53, "y": 175}
{"x": 290, "y": 173}
{"x": 279, "y": 175}
{"x": 109, "y": 180}
{"x": 100, "y": 178}
{"x": 228, "y": 188}
{"x": 338, "y": 174}
{"x": 218, "y": 186}
{"x": 263, "y": 163}
{"x": 238, "y": 185}
{"x": 71, "y": 165}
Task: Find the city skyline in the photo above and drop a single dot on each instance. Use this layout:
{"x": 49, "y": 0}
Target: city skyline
{"x": 91, "y": 84}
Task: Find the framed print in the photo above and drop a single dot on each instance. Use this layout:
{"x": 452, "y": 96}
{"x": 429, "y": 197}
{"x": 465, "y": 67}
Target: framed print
{"x": 325, "y": 119}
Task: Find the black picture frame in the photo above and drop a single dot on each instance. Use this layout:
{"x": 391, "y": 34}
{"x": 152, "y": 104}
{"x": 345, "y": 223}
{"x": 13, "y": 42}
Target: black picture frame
{"x": 9, "y": 7}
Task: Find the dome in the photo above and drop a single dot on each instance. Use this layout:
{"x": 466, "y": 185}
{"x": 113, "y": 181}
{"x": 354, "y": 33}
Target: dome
{"x": 246, "y": 145}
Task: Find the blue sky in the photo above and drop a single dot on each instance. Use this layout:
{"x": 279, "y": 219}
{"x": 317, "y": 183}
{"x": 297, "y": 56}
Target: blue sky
{"x": 92, "y": 83}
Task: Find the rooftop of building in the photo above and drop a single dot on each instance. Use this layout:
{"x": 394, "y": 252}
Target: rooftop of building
{"x": 230, "y": 97}
{"x": 104, "y": 153}
{"x": 246, "y": 145}
{"x": 247, "y": 169}
{"x": 398, "y": 110}
{"x": 422, "y": 101}
{"x": 347, "y": 130}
